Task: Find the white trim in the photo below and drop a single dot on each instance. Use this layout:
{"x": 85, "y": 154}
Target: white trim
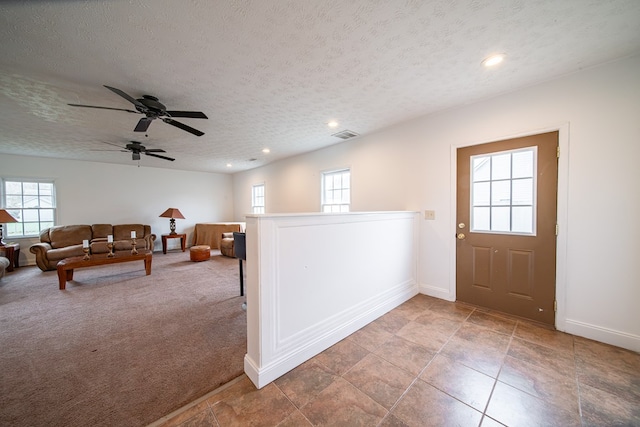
{"x": 323, "y": 174}
{"x": 511, "y": 206}
{"x": 264, "y": 197}
{"x": 605, "y": 335}
{"x": 561, "y": 215}
{"x": 348, "y": 323}
{"x": 22, "y": 181}
{"x": 434, "y": 291}
{"x": 285, "y": 327}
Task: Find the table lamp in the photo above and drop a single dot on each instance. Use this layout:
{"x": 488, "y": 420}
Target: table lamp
{"x": 172, "y": 213}
{"x": 4, "y": 219}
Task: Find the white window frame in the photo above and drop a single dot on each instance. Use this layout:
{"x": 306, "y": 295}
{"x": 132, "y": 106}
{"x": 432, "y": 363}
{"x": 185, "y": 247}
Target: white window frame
{"x": 510, "y": 205}
{"x": 257, "y": 200}
{"x": 45, "y": 215}
{"x": 328, "y": 194}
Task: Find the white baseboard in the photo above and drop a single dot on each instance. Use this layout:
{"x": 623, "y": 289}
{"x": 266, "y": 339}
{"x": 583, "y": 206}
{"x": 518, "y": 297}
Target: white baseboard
{"x": 435, "y": 292}
{"x": 605, "y": 335}
{"x": 286, "y": 362}
{"x": 574, "y": 327}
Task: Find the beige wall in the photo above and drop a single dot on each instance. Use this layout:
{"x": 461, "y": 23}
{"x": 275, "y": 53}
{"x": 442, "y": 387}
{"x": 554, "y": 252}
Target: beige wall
{"x": 410, "y": 167}
{"x": 92, "y": 193}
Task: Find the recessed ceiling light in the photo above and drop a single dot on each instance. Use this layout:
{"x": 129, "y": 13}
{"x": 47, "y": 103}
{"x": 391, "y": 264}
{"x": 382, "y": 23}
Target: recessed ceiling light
{"x": 229, "y": 165}
{"x": 493, "y": 60}
{"x": 332, "y": 124}
{"x": 266, "y": 150}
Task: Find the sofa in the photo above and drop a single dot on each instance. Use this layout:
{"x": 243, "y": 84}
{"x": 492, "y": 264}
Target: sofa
{"x": 4, "y": 263}
{"x": 64, "y": 241}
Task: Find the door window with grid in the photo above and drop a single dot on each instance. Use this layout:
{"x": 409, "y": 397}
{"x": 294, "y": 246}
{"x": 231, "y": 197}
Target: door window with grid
{"x": 32, "y": 203}
{"x": 336, "y": 191}
{"x": 503, "y": 192}
{"x": 257, "y": 199}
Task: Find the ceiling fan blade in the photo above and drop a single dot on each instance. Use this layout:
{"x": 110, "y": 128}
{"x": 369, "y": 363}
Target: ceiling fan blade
{"x": 189, "y": 114}
{"x": 158, "y": 156}
{"x": 126, "y": 96}
{"x": 182, "y": 126}
{"x": 143, "y": 124}
{"x": 115, "y": 145}
{"x": 104, "y": 108}
{"x": 155, "y": 150}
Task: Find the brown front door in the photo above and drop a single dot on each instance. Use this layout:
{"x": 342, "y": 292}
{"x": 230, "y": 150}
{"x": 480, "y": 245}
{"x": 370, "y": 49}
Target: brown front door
{"x": 506, "y": 226}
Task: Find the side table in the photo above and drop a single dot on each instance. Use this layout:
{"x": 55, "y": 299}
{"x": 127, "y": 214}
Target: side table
{"x": 12, "y": 252}
{"x": 165, "y": 237}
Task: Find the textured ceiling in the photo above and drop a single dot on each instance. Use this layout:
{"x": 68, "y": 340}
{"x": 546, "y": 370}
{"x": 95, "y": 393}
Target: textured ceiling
{"x": 272, "y": 73}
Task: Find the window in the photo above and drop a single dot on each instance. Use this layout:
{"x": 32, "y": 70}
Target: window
{"x": 257, "y": 199}
{"x": 32, "y": 203}
{"x": 503, "y": 192}
{"x": 336, "y": 191}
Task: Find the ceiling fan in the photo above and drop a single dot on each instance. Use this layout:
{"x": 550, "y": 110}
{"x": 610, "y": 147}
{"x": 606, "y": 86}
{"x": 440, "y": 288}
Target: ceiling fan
{"x": 153, "y": 109}
{"x": 136, "y": 148}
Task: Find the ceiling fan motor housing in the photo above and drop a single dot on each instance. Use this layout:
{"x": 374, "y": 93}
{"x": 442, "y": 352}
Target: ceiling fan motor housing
{"x": 154, "y": 107}
{"x": 135, "y": 146}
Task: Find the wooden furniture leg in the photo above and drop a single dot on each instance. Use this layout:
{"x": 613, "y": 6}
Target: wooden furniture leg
{"x": 12, "y": 253}
{"x": 63, "y": 276}
{"x": 147, "y": 265}
{"x": 166, "y": 237}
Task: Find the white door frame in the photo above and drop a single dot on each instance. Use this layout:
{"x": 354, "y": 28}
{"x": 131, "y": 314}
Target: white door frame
{"x": 563, "y": 197}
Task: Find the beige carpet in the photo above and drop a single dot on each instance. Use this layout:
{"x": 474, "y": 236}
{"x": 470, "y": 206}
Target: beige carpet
{"x": 118, "y": 348}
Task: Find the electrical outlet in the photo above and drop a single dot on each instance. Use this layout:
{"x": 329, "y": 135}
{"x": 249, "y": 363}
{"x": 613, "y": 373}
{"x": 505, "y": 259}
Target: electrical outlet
{"x": 431, "y": 215}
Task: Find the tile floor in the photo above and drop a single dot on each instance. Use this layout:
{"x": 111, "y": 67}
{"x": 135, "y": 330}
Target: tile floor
{"x": 434, "y": 363}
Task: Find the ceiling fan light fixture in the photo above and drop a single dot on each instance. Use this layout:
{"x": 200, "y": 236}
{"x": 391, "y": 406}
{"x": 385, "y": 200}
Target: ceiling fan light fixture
{"x": 493, "y": 60}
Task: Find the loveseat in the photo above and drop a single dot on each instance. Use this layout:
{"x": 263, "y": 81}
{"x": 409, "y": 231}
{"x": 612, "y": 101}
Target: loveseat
{"x": 64, "y": 241}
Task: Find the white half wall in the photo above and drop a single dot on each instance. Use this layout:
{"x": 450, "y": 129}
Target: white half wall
{"x": 313, "y": 279}
{"x": 103, "y": 193}
{"x": 409, "y": 167}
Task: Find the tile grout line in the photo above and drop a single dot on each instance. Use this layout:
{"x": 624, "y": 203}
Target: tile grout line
{"x": 577, "y": 379}
{"x": 495, "y": 383}
{"x": 299, "y": 409}
{"x": 548, "y": 347}
{"x": 417, "y": 377}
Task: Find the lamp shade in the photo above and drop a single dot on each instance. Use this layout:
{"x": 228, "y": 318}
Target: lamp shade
{"x": 5, "y": 217}
{"x": 172, "y": 213}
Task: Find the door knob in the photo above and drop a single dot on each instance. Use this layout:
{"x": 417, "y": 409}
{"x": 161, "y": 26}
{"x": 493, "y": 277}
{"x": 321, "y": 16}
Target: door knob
{"x": 460, "y": 236}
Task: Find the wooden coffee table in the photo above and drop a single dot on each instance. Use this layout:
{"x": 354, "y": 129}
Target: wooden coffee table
{"x": 67, "y": 265}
